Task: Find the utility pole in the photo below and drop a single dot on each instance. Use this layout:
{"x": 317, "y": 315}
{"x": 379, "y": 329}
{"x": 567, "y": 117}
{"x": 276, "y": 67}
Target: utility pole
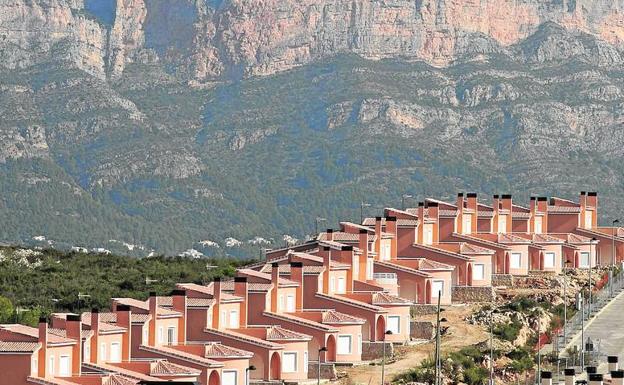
{"x": 362, "y": 205}
{"x": 492, "y": 346}
{"x": 437, "y": 349}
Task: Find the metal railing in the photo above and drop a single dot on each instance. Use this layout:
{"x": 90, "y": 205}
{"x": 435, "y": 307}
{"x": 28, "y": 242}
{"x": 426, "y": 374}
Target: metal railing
{"x": 385, "y": 277}
{"x": 587, "y": 310}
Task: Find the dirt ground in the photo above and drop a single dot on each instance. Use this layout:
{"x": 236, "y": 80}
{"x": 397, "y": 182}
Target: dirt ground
{"x": 459, "y": 334}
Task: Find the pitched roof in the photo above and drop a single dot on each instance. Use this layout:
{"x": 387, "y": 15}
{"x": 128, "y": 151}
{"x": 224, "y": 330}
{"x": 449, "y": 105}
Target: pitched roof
{"x": 335, "y": 317}
{"x": 545, "y": 238}
{"x": 401, "y": 222}
{"x": 283, "y": 282}
{"x": 511, "y": 238}
{"x": 351, "y": 302}
{"x": 111, "y": 368}
{"x": 19, "y": 347}
{"x": 440, "y": 250}
{"x": 218, "y": 350}
{"x": 564, "y": 209}
{"x": 181, "y": 355}
{"x": 106, "y": 322}
{"x": 340, "y": 236}
{"x": 389, "y": 299}
{"x": 144, "y": 305}
{"x": 115, "y": 379}
{"x": 208, "y": 290}
{"x": 166, "y": 368}
{"x": 476, "y": 239}
{"x": 429, "y": 264}
{"x": 405, "y": 269}
{"x": 278, "y": 333}
{"x": 190, "y": 302}
{"x": 294, "y": 318}
{"x": 468, "y": 248}
{"x": 239, "y": 335}
{"x": 251, "y": 286}
{"x": 63, "y": 333}
{"x": 34, "y": 333}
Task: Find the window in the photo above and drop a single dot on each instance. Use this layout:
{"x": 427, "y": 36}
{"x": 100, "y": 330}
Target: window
{"x": 588, "y": 219}
{"x": 233, "y": 319}
{"x": 549, "y": 260}
{"x": 369, "y": 268}
{"x": 290, "y": 303}
{"x": 289, "y": 362}
{"x": 428, "y": 234}
{"x": 342, "y": 288}
{"x": 515, "y": 260}
{"x": 145, "y": 335}
{"x": 305, "y": 361}
{"x": 87, "y": 352}
{"x": 584, "y": 259}
{"x": 332, "y": 284}
{"x": 437, "y": 286}
{"x": 51, "y": 365}
{"x": 344, "y": 345}
{"x": 171, "y": 335}
{"x": 34, "y": 368}
{"x": 538, "y": 225}
{"x": 502, "y": 223}
{"x": 115, "y": 352}
{"x": 103, "y": 356}
{"x": 229, "y": 377}
{"x": 64, "y": 366}
{"x": 467, "y": 224}
{"x": 356, "y": 268}
{"x": 223, "y": 318}
{"x": 478, "y": 271}
{"x": 282, "y": 304}
{"x": 394, "y": 324}
{"x": 385, "y": 251}
{"x": 161, "y": 335}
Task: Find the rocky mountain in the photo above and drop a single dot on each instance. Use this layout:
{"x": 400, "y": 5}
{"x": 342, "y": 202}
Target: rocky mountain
{"x": 171, "y": 125}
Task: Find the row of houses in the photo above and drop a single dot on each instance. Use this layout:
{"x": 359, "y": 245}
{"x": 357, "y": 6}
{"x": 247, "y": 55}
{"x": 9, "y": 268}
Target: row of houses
{"x": 331, "y": 299}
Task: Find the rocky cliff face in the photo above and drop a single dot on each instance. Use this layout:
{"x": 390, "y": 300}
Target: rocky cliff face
{"x": 214, "y": 38}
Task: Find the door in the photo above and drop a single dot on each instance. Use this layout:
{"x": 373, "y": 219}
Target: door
{"x": 538, "y": 225}
{"x": 115, "y": 352}
{"x": 342, "y": 288}
{"x": 502, "y": 223}
{"x": 467, "y": 225}
{"x": 290, "y": 303}
{"x": 229, "y": 377}
{"x": 549, "y": 260}
{"x": 289, "y": 362}
{"x": 171, "y": 336}
{"x": 584, "y": 260}
{"x": 64, "y": 366}
{"x": 515, "y": 261}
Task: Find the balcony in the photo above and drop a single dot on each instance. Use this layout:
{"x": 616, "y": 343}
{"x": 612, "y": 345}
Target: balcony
{"x": 385, "y": 278}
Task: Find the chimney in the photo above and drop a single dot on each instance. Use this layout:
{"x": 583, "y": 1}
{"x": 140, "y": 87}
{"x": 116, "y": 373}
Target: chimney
{"x": 546, "y": 378}
{"x": 216, "y": 308}
{"x": 570, "y": 376}
{"x": 434, "y": 213}
{"x": 421, "y": 223}
{"x": 152, "y": 301}
{"x": 124, "y": 319}
{"x": 348, "y": 250}
{"x": 296, "y": 274}
{"x": 613, "y": 363}
{"x": 326, "y": 272}
{"x": 73, "y": 329}
{"x": 496, "y": 207}
{"x": 507, "y": 204}
{"x": 363, "y": 245}
{"x": 617, "y": 377}
{"x": 472, "y": 205}
{"x": 378, "y": 237}
{"x": 275, "y": 282}
{"x": 391, "y": 227}
{"x": 179, "y": 305}
{"x": 592, "y": 201}
{"x": 42, "y": 358}
{"x": 532, "y": 209}
{"x": 542, "y": 206}
{"x": 595, "y": 379}
{"x": 460, "y": 213}
{"x": 330, "y": 234}
{"x": 241, "y": 290}
{"x": 95, "y": 327}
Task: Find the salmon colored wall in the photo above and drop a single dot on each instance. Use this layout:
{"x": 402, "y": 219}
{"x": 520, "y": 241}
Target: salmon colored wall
{"x": 108, "y": 339}
{"x": 405, "y": 239}
{"x": 236, "y": 364}
{"x": 520, "y": 226}
{"x": 257, "y": 304}
{"x": 15, "y": 368}
{"x": 447, "y": 228}
{"x": 225, "y": 318}
{"x": 524, "y": 259}
{"x": 558, "y": 257}
{"x": 282, "y": 295}
{"x": 487, "y": 261}
{"x": 299, "y": 348}
{"x": 335, "y": 275}
{"x": 484, "y": 225}
{"x": 196, "y": 321}
{"x": 408, "y": 283}
{"x": 448, "y": 286}
{"x": 404, "y": 313}
{"x": 314, "y": 302}
{"x": 356, "y": 350}
{"x": 137, "y": 337}
{"x": 57, "y": 351}
{"x": 562, "y": 223}
{"x": 165, "y": 323}
{"x": 203, "y": 378}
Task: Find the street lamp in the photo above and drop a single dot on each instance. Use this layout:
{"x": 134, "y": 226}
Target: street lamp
{"x": 383, "y": 362}
{"x": 362, "y": 205}
{"x": 251, "y": 367}
{"x": 321, "y": 350}
{"x": 316, "y": 224}
{"x": 403, "y": 198}
{"x": 592, "y": 250}
{"x": 613, "y": 257}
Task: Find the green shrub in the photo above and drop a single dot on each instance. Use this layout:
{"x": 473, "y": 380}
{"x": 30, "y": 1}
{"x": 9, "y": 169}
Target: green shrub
{"x": 508, "y": 332}
{"x": 476, "y": 375}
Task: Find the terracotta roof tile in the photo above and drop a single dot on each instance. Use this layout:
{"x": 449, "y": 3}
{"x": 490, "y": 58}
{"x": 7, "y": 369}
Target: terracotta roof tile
{"x": 468, "y": 248}
{"x": 218, "y": 350}
{"x": 190, "y": 302}
{"x": 336, "y": 317}
{"x": 116, "y": 379}
{"x": 300, "y": 318}
{"x": 278, "y": 333}
{"x": 545, "y": 238}
{"x": 63, "y": 333}
{"x": 511, "y": 238}
{"x": 351, "y": 301}
{"x": 166, "y": 368}
{"x": 115, "y": 369}
{"x": 182, "y": 355}
{"x": 107, "y": 320}
{"x": 402, "y": 268}
{"x": 18, "y": 347}
{"x": 448, "y": 213}
{"x": 240, "y": 335}
{"x": 143, "y": 305}
{"x": 208, "y": 290}
{"x": 251, "y": 286}
{"x": 31, "y": 332}
{"x": 428, "y": 264}
{"x": 340, "y": 236}
{"x": 283, "y": 282}
{"x": 389, "y": 299}
{"x": 48, "y": 381}
{"x": 564, "y": 209}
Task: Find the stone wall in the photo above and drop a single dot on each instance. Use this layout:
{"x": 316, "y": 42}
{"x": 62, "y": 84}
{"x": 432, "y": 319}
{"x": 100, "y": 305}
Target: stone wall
{"x": 328, "y": 370}
{"x": 503, "y": 280}
{"x": 472, "y": 294}
{"x": 422, "y": 330}
{"x": 374, "y": 350}
{"x": 419, "y": 309}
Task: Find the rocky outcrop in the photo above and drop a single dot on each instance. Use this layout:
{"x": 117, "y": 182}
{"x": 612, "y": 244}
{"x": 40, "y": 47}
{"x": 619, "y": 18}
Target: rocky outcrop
{"x": 207, "y": 39}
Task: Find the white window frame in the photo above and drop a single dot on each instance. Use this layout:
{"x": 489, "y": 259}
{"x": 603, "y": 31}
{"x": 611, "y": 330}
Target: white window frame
{"x": 287, "y": 370}
{"x": 290, "y": 303}
{"x": 305, "y": 361}
{"x": 224, "y": 372}
{"x": 512, "y": 265}
{"x": 161, "y": 335}
{"x": 554, "y": 259}
{"x": 434, "y": 283}
{"x": 51, "y": 363}
{"x": 342, "y": 285}
{"x": 478, "y": 267}
{"x": 391, "y": 323}
{"x": 502, "y": 223}
{"x": 86, "y": 351}
{"x": 282, "y": 303}
{"x": 584, "y": 265}
{"x": 118, "y": 358}
{"x": 103, "y": 355}
{"x": 173, "y": 335}
{"x": 538, "y": 225}
{"x": 370, "y": 266}
{"x": 467, "y": 224}
{"x": 589, "y": 219}
{"x": 360, "y": 343}
{"x": 356, "y": 268}
{"x": 34, "y": 368}
{"x": 223, "y": 320}
{"x": 234, "y": 321}
{"x": 428, "y": 235}
{"x": 65, "y": 366}
{"x": 332, "y": 284}
{"x": 339, "y": 350}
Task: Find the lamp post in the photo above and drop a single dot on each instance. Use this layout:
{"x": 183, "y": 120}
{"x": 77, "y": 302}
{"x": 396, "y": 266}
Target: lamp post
{"x": 362, "y": 205}
{"x": 492, "y": 346}
{"x": 565, "y": 302}
{"x": 403, "y": 198}
{"x": 383, "y": 362}
{"x": 316, "y": 224}
{"x": 592, "y": 250}
{"x": 251, "y": 367}
{"x": 437, "y": 348}
{"x": 613, "y": 256}
{"x": 321, "y": 350}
